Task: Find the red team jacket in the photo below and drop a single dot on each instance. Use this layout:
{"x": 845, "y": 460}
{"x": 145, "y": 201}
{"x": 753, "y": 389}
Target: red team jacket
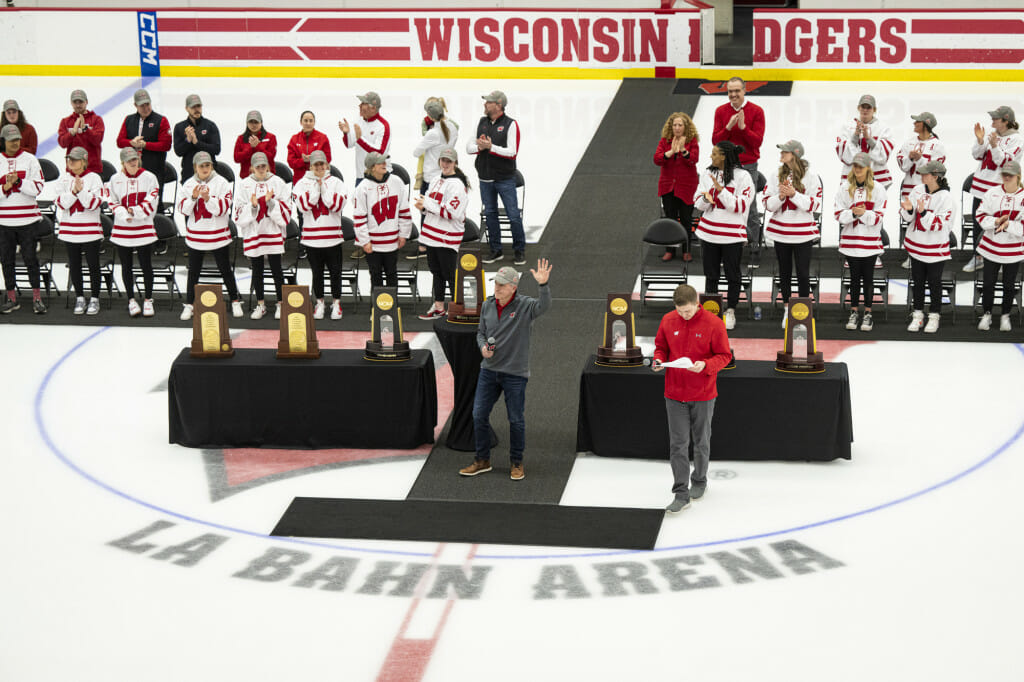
{"x": 702, "y": 337}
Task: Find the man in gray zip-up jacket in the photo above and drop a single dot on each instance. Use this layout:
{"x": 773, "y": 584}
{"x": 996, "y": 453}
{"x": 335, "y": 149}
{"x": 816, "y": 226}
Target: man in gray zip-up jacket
{"x": 506, "y": 320}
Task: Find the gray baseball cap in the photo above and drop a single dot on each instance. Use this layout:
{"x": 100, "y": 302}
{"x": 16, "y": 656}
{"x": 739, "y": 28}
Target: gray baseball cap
{"x": 867, "y": 99}
{"x": 193, "y": 101}
{"x": 141, "y": 97}
{"x": 129, "y": 154}
{"x": 1010, "y": 168}
{"x": 933, "y": 168}
{"x": 1002, "y": 112}
{"x": 434, "y": 109}
{"x": 11, "y": 104}
{"x": 317, "y": 156}
{"x": 373, "y": 158}
{"x": 371, "y": 98}
{"x": 794, "y": 146}
{"x": 862, "y": 159}
{"x": 79, "y": 96}
{"x": 496, "y": 96}
{"x": 449, "y": 154}
{"x": 202, "y": 157}
{"x": 10, "y": 132}
{"x": 507, "y": 275}
{"x": 78, "y": 153}
{"x": 254, "y": 115}
{"x": 926, "y": 117}
{"x": 259, "y": 159}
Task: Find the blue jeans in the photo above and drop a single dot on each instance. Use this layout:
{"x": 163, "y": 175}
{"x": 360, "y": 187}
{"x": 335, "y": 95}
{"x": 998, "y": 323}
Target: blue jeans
{"x": 489, "y": 386}
{"x": 489, "y": 193}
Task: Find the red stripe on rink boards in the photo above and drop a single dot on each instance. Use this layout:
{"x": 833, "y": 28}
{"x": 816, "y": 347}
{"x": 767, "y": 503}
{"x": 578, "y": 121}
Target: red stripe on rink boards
{"x": 961, "y": 26}
{"x": 232, "y": 52}
{"x": 375, "y": 25}
{"x": 224, "y": 24}
{"x": 367, "y": 53}
{"x": 965, "y": 56}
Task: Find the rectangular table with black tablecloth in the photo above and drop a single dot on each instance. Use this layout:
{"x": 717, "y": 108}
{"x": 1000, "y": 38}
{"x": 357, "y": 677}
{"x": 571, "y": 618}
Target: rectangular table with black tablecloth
{"x": 340, "y": 400}
{"x": 760, "y": 414}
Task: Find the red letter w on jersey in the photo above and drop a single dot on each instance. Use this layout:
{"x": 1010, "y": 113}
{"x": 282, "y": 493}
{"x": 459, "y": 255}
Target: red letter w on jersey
{"x": 385, "y": 209}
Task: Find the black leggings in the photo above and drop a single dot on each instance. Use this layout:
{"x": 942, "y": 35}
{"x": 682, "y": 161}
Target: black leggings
{"x": 330, "y": 257}
{"x": 91, "y": 250}
{"x": 195, "y": 264}
{"x": 124, "y": 254}
{"x": 441, "y": 262}
{"x": 383, "y": 266}
{"x": 862, "y": 276}
{"x": 256, "y": 263}
{"x": 988, "y": 285}
{"x": 677, "y": 209}
{"x": 977, "y": 227}
{"x": 10, "y": 239}
{"x": 930, "y": 274}
{"x": 787, "y": 253}
{"x": 717, "y": 256}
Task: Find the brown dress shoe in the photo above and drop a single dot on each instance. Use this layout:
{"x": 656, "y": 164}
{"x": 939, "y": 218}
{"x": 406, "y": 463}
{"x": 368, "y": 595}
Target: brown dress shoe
{"x": 517, "y": 472}
{"x": 479, "y": 466}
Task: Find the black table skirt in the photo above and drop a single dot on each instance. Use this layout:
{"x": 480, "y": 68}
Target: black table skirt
{"x": 760, "y": 414}
{"x": 459, "y": 344}
{"x": 340, "y": 400}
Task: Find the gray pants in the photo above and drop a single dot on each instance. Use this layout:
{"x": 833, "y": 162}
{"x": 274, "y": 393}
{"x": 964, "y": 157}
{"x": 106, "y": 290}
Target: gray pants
{"x": 685, "y": 419}
{"x": 753, "y": 220}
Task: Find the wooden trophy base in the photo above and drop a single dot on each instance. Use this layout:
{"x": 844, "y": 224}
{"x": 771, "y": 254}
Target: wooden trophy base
{"x": 380, "y": 353}
{"x": 631, "y": 357}
{"x": 312, "y": 351}
{"x": 460, "y": 314}
{"x": 196, "y": 351}
{"x": 814, "y": 363}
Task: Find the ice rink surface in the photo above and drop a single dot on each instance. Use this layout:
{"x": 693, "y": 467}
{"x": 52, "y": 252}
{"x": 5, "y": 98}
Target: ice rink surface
{"x": 900, "y": 564}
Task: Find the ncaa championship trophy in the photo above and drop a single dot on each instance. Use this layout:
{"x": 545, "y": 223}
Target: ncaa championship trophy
{"x": 210, "y": 337}
{"x": 298, "y": 336}
{"x": 469, "y": 290}
{"x": 800, "y": 353}
{"x": 619, "y": 348}
{"x": 386, "y": 342}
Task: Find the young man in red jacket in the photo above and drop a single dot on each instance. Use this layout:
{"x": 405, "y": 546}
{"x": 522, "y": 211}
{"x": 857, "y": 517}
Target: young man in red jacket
{"x": 690, "y": 332}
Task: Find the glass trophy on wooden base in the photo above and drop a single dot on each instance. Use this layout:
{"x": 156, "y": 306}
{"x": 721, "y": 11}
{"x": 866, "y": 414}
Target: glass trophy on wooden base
{"x": 800, "y": 353}
{"x": 298, "y": 335}
{"x": 619, "y": 348}
{"x": 713, "y": 304}
{"x": 386, "y": 341}
{"x": 470, "y": 291}
{"x": 210, "y": 337}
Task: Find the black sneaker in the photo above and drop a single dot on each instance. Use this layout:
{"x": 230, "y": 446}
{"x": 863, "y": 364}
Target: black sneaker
{"x": 160, "y": 249}
{"x": 494, "y": 257}
{"x": 520, "y": 258}
{"x": 38, "y": 307}
{"x": 9, "y": 306}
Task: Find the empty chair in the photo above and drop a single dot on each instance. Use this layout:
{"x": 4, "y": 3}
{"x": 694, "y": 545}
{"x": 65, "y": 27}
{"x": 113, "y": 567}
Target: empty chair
{"x": 50, "y": 174}
{"x": 165, "y": 265}
{"x": 658, "y": 278}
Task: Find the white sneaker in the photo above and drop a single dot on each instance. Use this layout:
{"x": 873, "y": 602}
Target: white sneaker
{"x": 258, "y": 312}
{"x": 94, "y": 306}
{"x": 236, "y": 309}
{"x": 1004, "y": 323}
{"x": 973, "y": 265}
{"x": 985, "y": 323}
{"x": 906, "y": 264}
{"x": 186, "y": 312}
{"x": 866, "y": 322}
{"x": 277, "y": 312}
{"x": 916, "y": 321}
{"x": 785, "y": 315}
{"x": 318, "y": 311}
{"x": 933, "y": 323}
{"x": 147, "y": 308}
{"x": 133, "y": 308}
{"x": 730, "y": 318}
{"x": 79, "y": 306}
{"x": 851, "y": 323}
{"x": 336, "y": 312}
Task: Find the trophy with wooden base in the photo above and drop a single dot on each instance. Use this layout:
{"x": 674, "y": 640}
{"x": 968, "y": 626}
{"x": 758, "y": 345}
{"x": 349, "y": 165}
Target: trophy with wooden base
{"x": 470, "y": 292}
{"x": 298, "y": 336}
{"x": 210, "y": 338}
{"x": 619, "y": 348}
{"x": 800, "y": 354}
{"x": 386, "y": 342}
{"x": 713, "y": 304}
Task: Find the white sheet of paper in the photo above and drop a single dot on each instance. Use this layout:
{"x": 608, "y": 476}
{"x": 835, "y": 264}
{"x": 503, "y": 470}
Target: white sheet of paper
{"x": 679, "y": 363}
